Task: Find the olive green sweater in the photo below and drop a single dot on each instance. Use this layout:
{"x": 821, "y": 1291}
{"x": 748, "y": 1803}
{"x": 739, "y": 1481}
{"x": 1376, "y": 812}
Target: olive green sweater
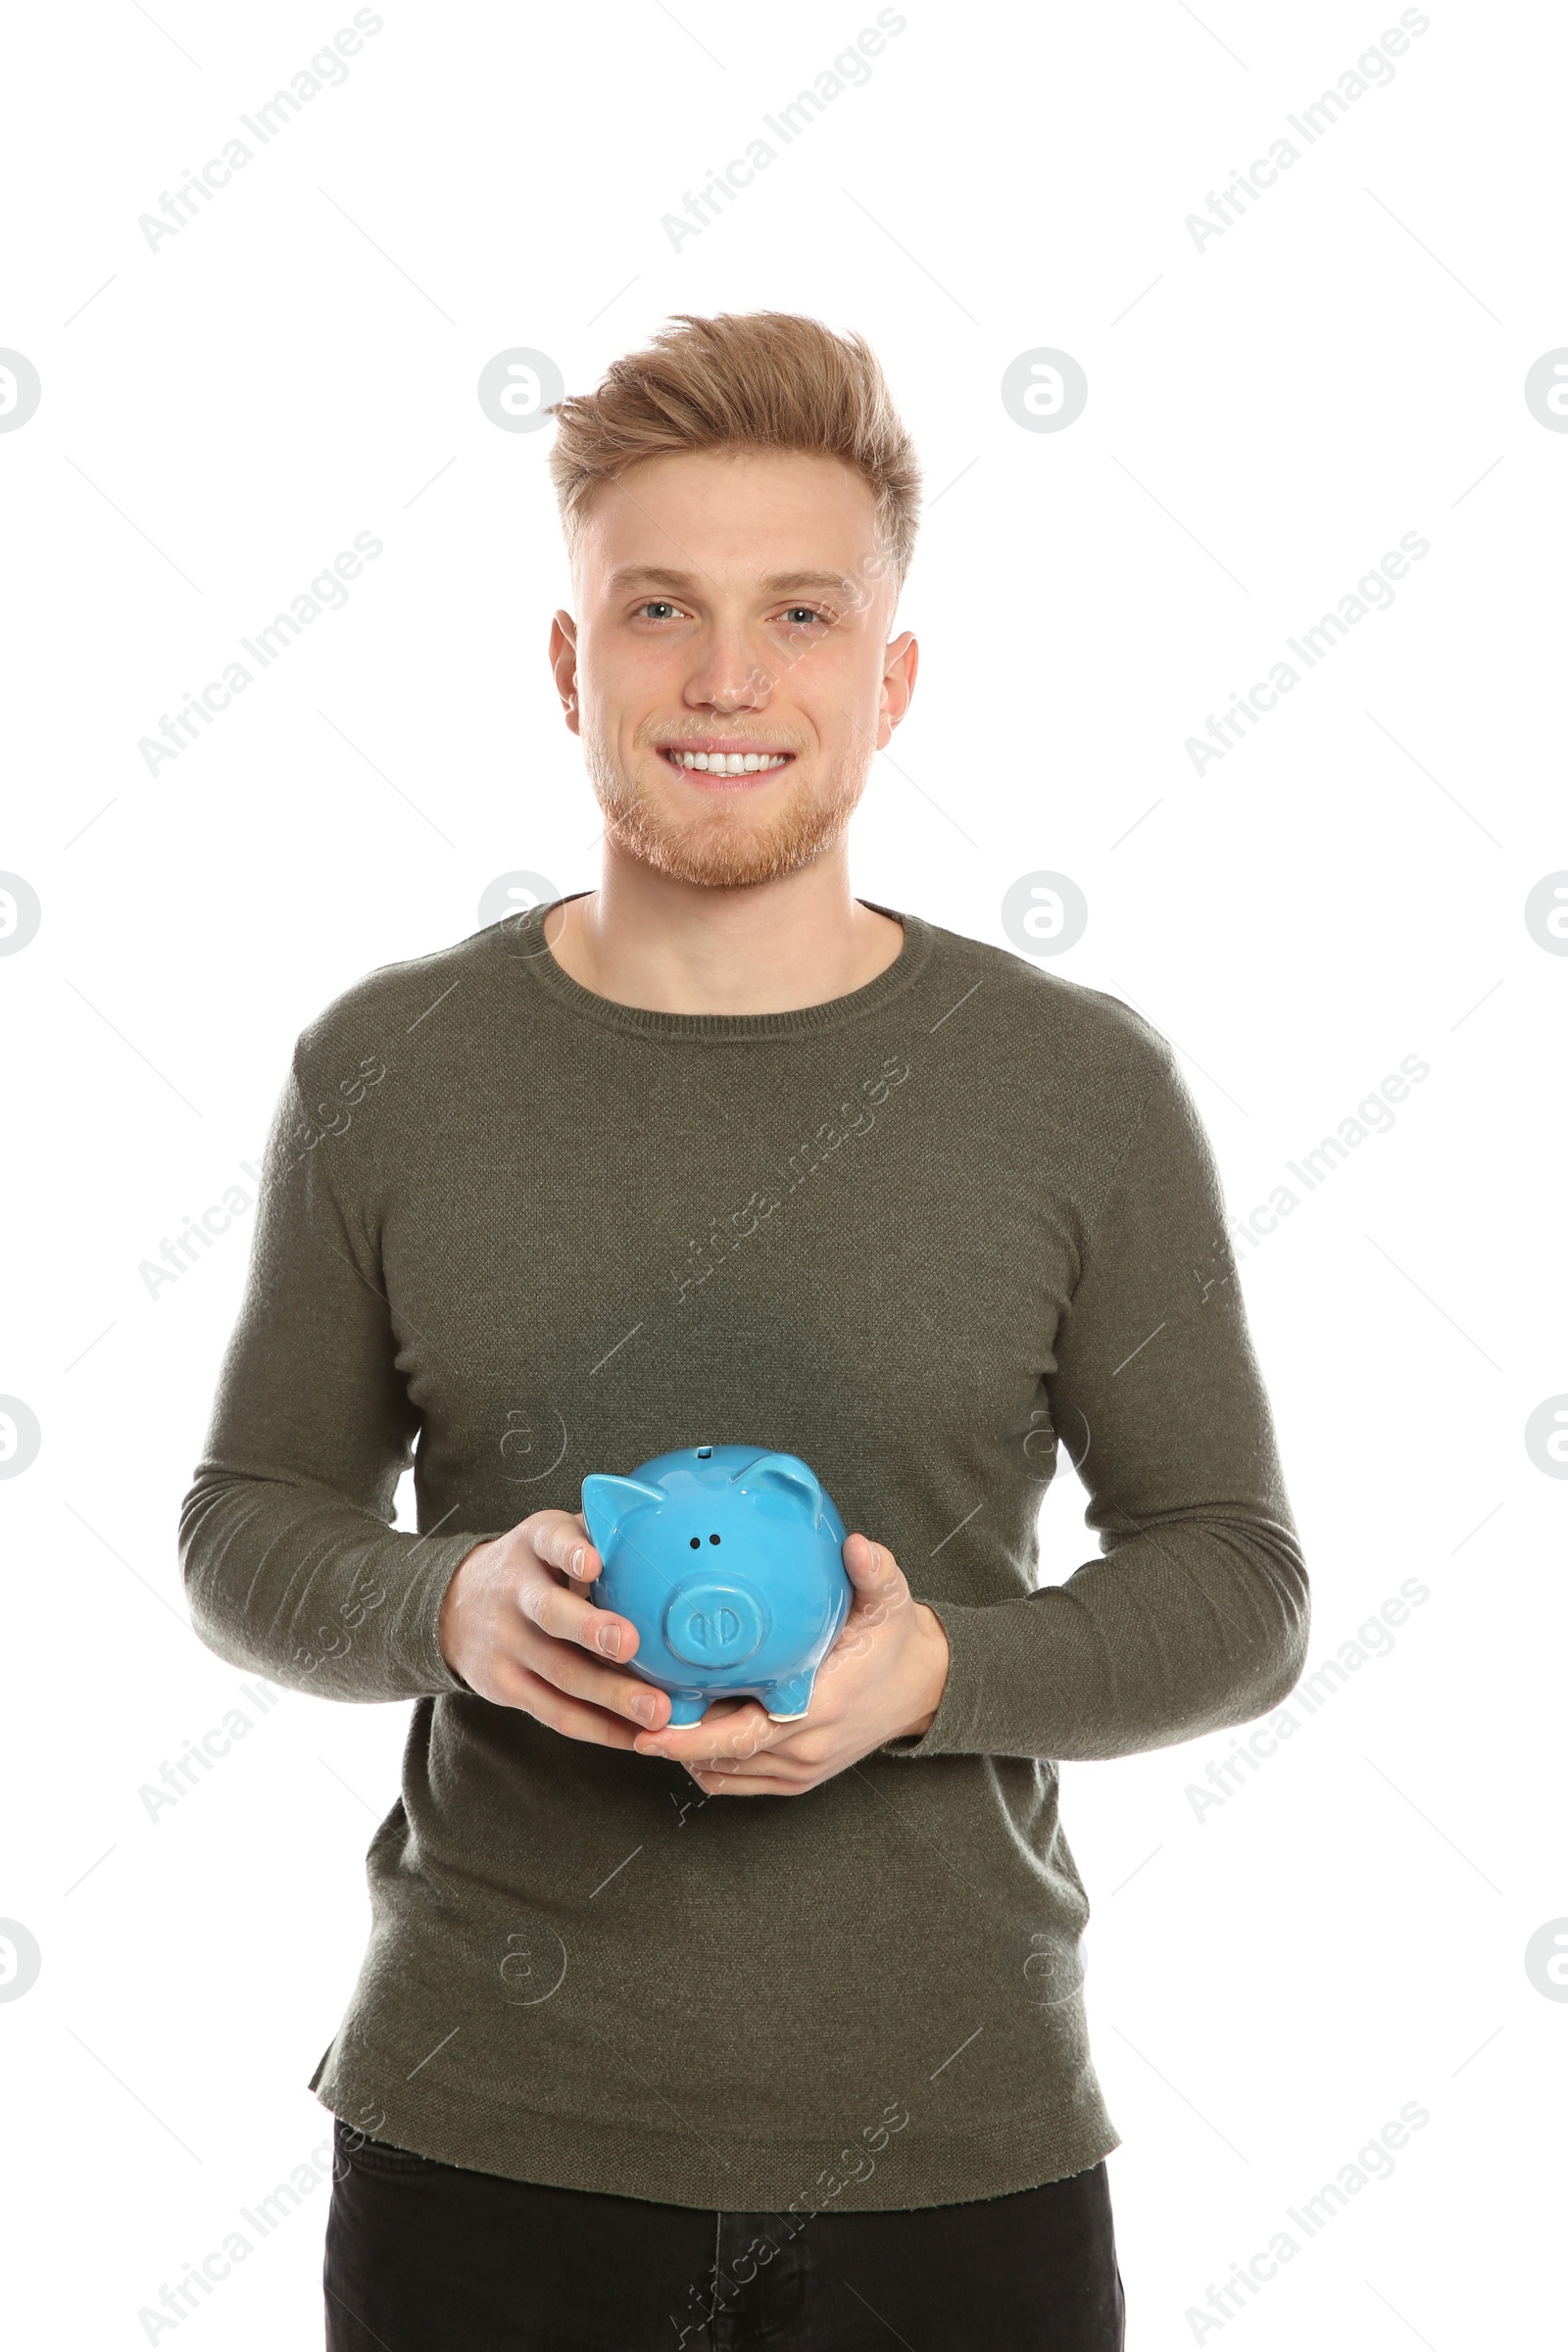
{"x": 511, "y": 1232}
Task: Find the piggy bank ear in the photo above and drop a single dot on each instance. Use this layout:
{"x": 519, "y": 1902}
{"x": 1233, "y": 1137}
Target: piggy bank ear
{"x": 785, "y": 1475}
{"x": 608, "y": 1502}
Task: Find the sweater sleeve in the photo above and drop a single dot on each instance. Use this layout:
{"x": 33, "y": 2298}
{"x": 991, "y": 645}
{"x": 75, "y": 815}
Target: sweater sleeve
{"x": 1196, "y": 1617}
{"x": 290, "y": 1564}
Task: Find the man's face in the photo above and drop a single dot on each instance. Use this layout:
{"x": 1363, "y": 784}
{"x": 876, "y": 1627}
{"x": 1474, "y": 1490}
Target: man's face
{"x": 731, "y": 605}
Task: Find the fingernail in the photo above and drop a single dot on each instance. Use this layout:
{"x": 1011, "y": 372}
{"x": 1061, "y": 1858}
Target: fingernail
{"x": 645, "y": 1710}
{"x": 653, "y": 1749}
{"x": 609, "y": 1640}
{"x": 577, "y": 1561}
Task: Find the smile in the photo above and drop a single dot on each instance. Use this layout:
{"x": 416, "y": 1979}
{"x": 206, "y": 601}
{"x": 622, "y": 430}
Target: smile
{"x": 725, "y": 764}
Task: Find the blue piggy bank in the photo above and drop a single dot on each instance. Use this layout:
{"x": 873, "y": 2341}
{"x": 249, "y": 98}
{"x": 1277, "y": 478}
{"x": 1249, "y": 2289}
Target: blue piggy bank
{"x": 728, "y": 1560}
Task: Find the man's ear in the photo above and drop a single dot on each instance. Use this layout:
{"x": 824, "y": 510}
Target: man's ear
{"x": 898, "y": 667}
{"x": 563, "y": 665}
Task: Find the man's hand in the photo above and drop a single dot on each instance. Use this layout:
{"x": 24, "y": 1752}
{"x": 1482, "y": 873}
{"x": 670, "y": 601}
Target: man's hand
{"x": 883, "y": 1678}
{"x": 518, "y": 1632}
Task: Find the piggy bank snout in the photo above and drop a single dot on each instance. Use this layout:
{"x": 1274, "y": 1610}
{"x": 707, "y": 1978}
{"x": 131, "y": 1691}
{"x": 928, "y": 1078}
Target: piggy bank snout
{"x": 714, "y": 1620}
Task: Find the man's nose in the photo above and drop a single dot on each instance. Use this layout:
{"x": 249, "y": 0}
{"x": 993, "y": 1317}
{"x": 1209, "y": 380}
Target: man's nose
{"x": 729, "y": 689}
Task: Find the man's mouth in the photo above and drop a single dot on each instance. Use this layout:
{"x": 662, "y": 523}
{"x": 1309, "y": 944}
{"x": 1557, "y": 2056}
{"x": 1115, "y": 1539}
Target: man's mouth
{"x": 723, "y": 761}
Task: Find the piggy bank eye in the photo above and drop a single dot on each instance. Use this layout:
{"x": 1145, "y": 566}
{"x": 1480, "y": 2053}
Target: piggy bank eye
{"x": 712, "y": 1539}
{"x": 696, "y": 1543}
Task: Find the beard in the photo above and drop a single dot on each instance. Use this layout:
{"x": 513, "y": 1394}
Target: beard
{"x": 727, "y": 846}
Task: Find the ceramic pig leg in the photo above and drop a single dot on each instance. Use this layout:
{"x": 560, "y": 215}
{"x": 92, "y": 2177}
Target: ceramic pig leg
{"x": 687, "y": 1707}
{"x": 786, "y": 1702}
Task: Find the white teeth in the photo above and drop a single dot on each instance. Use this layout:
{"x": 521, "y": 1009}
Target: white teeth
{"x": 729, "y": 763}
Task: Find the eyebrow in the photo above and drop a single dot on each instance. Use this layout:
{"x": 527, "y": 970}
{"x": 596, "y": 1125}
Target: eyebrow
{"x": 686, "y": 583}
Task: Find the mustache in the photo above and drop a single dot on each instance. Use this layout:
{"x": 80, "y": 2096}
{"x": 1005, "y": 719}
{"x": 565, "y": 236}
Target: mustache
{"x": 775, "y": 740}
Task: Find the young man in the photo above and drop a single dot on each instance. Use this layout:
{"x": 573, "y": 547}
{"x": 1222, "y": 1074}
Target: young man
{"x": 753, "y": 2032}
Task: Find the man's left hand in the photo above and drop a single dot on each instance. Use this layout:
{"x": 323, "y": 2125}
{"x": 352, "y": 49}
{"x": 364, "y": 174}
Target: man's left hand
{"x": 882, "y": 1679}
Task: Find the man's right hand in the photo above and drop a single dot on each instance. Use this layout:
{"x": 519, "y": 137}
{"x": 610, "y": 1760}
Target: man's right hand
{"x": 517, "y": 1622}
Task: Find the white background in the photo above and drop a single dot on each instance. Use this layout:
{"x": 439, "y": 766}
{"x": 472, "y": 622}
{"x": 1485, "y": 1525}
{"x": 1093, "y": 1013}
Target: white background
{"x": 1268, "y": 1983}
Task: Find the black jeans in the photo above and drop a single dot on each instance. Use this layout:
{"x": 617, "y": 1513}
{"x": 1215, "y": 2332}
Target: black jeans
{"x": 426, "y": 2257}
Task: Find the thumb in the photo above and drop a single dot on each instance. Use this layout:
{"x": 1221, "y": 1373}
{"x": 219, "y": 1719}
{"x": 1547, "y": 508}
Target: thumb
{"x": 872, "y": 1570}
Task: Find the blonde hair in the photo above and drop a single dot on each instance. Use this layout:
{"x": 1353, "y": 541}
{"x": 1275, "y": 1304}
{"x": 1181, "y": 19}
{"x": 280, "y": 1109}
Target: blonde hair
{"x": 752, "y": 380}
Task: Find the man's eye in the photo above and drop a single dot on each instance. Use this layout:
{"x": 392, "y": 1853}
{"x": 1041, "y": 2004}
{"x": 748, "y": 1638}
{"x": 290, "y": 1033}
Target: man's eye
{"x": 659, "y": 607}
{"x": 799, "y": 614}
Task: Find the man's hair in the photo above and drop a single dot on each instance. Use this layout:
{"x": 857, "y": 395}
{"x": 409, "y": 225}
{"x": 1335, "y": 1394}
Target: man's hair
{"x": 744, "y": 380}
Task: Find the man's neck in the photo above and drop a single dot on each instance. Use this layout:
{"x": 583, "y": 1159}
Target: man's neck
{"x": 674, "y": 946}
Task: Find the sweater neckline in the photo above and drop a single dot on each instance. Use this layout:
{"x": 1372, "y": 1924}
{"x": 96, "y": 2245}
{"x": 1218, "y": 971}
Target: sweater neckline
{"x": 523, "y": 942}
